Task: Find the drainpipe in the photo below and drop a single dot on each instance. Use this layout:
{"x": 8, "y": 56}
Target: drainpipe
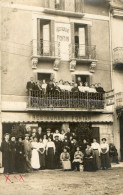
{"x": 0, "y": 88}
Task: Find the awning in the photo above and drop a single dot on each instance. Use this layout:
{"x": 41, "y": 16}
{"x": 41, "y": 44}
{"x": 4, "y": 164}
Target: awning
{"x": 15, "y": 117}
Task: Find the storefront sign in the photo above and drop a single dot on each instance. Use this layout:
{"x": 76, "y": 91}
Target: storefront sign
{"x": 109, "y": 98}
{"x": 63, "y": 36}
{"x": 55, "y": 117}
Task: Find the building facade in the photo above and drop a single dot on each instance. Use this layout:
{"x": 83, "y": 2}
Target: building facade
{"x": 48, "y": 39}
{"x": 116, "y": 16}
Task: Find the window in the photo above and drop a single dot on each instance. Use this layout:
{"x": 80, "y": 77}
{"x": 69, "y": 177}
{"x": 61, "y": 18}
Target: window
{"x": 84, "y": 79}
{"x": 44, "y": 37}
{"x": 60, "y": 4}
{"x": 80, "y": 40}
{"x": 44, "y": 76}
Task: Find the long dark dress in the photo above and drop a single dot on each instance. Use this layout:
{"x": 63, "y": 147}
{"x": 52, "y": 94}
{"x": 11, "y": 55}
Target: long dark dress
{"x": 89, "y": 160}
{"x": 57, "y": 154}
{"x": 20, "y": 159}
{"x": 12, "y": 156}
{"x": 105, "y": 161}
{"x": 42, "y": 155}
{"x": 5, "y": 146}
{"x": 50, "y": 155}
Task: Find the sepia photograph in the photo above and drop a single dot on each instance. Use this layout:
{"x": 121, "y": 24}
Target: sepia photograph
{"x": 61, "y": 97}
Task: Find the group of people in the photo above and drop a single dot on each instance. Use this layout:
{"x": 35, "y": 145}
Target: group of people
{"x": 62, "y": 86}
{"x": 35, "y": 150}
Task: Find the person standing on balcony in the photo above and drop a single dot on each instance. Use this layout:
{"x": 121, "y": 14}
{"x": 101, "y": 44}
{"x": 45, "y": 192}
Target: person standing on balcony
{"x": 44, "y": 86}
{"x": 50, "y": 87}
{"x": 86, "y": 87}
{"x": 99, "y": 88}
{"x": 81, "y": 87}
{"x": 79, "y": 80}
{"x": 75, "y": 88}
{"x": 30, "y": 84}
{"x": 92, "y": 89}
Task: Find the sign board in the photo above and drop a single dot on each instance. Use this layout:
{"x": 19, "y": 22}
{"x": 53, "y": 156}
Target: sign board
{"x": 109, "y": 96}
{"x": 63, "y": 36}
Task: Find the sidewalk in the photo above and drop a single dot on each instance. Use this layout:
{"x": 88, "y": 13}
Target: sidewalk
{"x": 114, "y": 165}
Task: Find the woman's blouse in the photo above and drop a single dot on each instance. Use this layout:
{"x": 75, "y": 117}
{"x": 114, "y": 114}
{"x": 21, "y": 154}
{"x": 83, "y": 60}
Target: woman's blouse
{"x": 45, "y": 142}
{"x": 78, "y": 155}
{"x": 104, "y": 148}
{"x": 35, "y": 145}
{"x": 50, "y": 145}
{"x": 64, "y": 156}
{"x": 96, "y": 146}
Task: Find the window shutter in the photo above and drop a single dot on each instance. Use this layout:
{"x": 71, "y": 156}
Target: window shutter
{"x": 38, "y": 36}
{"x": 52, "y": 36}
{"x": 88, "y": 35}
{"x": 72, "y": 48}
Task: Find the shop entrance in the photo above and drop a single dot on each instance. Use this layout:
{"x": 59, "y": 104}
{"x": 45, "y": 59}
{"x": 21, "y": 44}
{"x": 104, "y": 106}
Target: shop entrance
{"x": 121, "y": 136}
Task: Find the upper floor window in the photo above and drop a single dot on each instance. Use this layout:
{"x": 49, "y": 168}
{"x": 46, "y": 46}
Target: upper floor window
{"x": 60, "y": 4}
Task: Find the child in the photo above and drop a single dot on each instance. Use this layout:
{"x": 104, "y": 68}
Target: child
{"x": 78, "y": 157}
{"x": 65, "y": 159}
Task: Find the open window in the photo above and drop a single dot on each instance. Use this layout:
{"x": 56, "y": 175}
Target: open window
{"x": 44, "y": 37}
{"x": 80, "y": 40}
{"x": 44, "y": 76}
{"x": 84, "y": 79}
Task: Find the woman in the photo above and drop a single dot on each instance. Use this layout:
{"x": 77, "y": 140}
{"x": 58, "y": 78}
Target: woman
{"x": 45, "y": 140}
{"x": 5, "y": 148}
{"x": 88, "y": 161}
{"x": 105, "y": 162}
{"x": 96, "y": 150}
{"x": 35, "y": 155}
{"x": 65, "y": 160}
{"x": 20, "y": 159}
{"x": 41, "y": 153}
{"x": 12, "y": 154}
{"x": 50, "y": 154}
{"x": 78, "y": 157}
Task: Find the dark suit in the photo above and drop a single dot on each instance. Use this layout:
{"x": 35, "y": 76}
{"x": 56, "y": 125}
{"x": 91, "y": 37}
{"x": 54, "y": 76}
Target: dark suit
{"x": 5, "y": 148}
{"x": 30, "y": 85}
{"x": 28, "y": 154}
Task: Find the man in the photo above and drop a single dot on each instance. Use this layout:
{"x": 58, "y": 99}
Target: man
{"x": 57, "y": 152}
{"x": 48, "y": 134}
{"x": 50, "y": 87}
{"x": 39, "y": 133}
{"x": 75, "y": 89}
{"x": 28, "y": 153}
{"x": 30, "y": 84}
{"x": 5, "y": 148}
{"x": 99, "y": 88}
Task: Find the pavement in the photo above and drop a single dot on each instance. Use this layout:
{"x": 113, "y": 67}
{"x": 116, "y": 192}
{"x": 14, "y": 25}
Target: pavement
{"x": 58, "y": 182}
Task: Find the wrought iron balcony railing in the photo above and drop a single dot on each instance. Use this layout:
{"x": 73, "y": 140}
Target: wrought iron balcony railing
{"x": 118, "y": 56}
{"x": 39, "y": 100}
{"x": 119, "y": 100}
{"x": 80, "y": 51}
{"x": 46, "y": 48}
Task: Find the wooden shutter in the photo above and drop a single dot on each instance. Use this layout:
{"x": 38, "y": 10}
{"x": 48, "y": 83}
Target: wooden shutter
{"x": 38, "y": 36}
{"x": 52, "y": 36}
{"x": 82, "y": 41}
{"x": 72, "y": 48}
{"x": 88, "y": 35}
{"x": 46, "y": 39}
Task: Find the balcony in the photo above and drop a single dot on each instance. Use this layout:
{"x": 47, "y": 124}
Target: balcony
{"x": 65, "y": 101}
{"x": 46, "y": 51}
{"x": 86, "y": 54}
{"x": 70, "y": 8}
{"x": 118, "y": 57}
